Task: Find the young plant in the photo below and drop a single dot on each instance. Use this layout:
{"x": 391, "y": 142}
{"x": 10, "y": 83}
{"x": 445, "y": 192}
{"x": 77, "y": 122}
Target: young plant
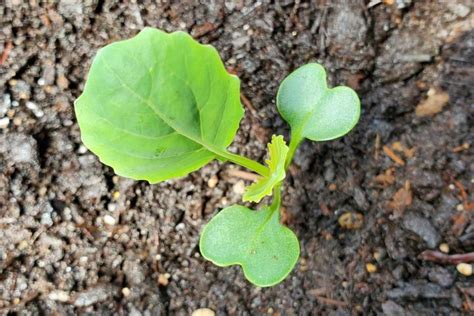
{"x": 160, "y": 105}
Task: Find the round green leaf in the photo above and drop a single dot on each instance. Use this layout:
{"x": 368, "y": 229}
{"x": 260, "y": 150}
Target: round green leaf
{"x": 255, "y": 240}
{"x": 158, "y": 106}
{"x": 312, "y": 109}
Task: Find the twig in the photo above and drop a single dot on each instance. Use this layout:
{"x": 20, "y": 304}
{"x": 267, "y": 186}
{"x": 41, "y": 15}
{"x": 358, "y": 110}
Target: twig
{"x": 377, "y": 146}
{"x": 436, "y": 256}
{"x": 460, "y": 148}
{"x": 468, "y": 205}
{"x": 330, "y": 301}
{"x": 469, "y": 304}
{"x": 247, "y": 103}
{"x": 242, "y": 174}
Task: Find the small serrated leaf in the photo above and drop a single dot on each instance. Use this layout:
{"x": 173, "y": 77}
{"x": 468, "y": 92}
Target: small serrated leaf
{"x": 255, "y": 240}
{"x": 313, "y": 110}
{"x": 277, "y": 151}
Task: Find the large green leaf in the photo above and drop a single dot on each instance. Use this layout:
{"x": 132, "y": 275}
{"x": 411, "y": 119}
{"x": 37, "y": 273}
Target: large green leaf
{"x": 158, "y": 106}
{"x": 312, "y": 109}
{"x": 277, "y": 151}
{"x": 266, "y": 250}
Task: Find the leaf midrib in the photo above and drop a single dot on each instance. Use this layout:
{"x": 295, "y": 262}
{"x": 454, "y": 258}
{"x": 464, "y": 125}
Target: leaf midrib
{"x": 302, "y": 129}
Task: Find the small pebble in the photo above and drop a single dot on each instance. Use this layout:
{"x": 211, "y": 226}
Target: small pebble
{"x": 109, "y": 220}
{"x": 62, "y": 82}
{"x": 16, "y": 301}
{"x": 22, "y": 245}
{"x": 42, "y": 191}
{"x": 60, "y": 296}
{"x": 83, "y": 260}
{"x": 444, "y": 247}
{"x": 303, "y": 265}
{"x": 126, "y": 292}
{"x": 163, "y": 279}
{"x": 116, "y": 195}
{"x": 82, "y": 149}
{"x": 464, "y": 269}
{"x": 35, "y": 109}
{"x": 4, "y": 122}
{"x": 239, "y": 187}
{"x": 203, "y": 312}
{"x": 459, "y": 9}
{"x": 371, "y": 268}
{"x": 212, "y": 182}
{"x": 460, "y": 207}
{"x": 17, "y": 121}
{"x": 111, "y": 207}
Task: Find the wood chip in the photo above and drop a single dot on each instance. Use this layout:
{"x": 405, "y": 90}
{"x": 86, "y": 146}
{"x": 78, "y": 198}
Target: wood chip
{"x": 392, "y": 155}
{"x": 407, "y": 152}
{"x": 6, "y": 52}
{"x": 460, "y": 222}
{"x": 203, "y": 29}
{"x": 435, "y": 103}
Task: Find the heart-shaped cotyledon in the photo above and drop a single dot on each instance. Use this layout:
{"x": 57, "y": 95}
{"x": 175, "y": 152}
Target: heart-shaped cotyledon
{"x": 313, "y": 110}
{"x": 255, "y": 240}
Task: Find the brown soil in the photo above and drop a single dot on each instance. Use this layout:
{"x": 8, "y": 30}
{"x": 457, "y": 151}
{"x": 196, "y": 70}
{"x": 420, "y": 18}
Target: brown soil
{"x": 407, "y": 172}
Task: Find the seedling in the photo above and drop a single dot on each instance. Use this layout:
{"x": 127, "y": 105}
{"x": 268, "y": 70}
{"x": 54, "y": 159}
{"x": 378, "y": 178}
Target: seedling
{"x": 160, "y": 105}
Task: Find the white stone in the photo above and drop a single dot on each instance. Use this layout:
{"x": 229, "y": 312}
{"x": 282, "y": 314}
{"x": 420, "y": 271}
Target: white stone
{"x": 109, "y": 220}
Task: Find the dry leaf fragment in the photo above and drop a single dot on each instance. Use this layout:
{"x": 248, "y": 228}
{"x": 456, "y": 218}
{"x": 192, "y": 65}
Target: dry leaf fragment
{"x": 351, "y": 220}
{"x": 401, "y": 200}
{"x": 387, "y": 178}
{"x": 435, "y": 102}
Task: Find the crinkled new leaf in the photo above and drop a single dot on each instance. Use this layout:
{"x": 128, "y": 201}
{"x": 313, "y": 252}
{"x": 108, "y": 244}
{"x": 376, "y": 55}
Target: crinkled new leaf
{"x": 277, "y": 150}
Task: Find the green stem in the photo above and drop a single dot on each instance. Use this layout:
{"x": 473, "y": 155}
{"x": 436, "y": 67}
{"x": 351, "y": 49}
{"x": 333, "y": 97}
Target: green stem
{"x": 276, "y": 197}
{"x": 245, "y": 162}
{"x": 295, "y": 141}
